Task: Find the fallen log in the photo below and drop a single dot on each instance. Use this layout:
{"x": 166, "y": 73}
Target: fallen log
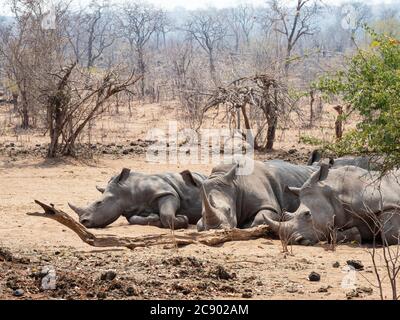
{"x": 209, "y": 238}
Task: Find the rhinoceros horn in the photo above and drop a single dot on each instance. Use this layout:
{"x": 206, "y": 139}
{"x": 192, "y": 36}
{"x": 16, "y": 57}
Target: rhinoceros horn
{"x": 275, "y": 226}
{"x": 79, "y": 211}
{"x": 210, "y": 216}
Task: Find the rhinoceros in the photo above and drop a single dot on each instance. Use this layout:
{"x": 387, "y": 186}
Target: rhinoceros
{"x": 242, "y": 201}
{"x": 364, "y": 162}
{"x": 169, "y": 200}
{"x": 344, "y": 204}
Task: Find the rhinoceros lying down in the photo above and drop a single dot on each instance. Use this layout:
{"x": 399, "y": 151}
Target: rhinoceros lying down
{"x": 364, "y": 162}
{"x": 241, "y": 201}
{"x": 349, "y": 202}
{"x": 169, "y": 200}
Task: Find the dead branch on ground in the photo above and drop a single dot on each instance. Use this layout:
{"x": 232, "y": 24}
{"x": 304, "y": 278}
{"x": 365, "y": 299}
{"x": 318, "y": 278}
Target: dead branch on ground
{"x": 209, "y": 238}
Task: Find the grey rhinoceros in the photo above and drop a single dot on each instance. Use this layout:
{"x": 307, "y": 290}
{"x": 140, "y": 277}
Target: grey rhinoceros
{"x": 344, "y": 204}
{"x": 241, "y": 201}
{"x": 169, "y": 200}
{"x": 364, "y": 162}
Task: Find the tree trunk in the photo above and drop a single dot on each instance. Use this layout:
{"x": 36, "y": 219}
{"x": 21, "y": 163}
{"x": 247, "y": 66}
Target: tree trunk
{"x": 14, "y": 101}
{"x": 272, "y": 120}
{"x": 212, "y": 68}
{"x": 287, "y": 58}
{"x": 24, "y": 111}
{"x": 271, "y": 132}
{"x": 142, "y": 69}
{"x": 312, "y": 100}
{"x": 339, "y": 123}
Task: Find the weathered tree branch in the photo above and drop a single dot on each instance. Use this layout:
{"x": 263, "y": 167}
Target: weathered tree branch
{"x": 209, "y": 238}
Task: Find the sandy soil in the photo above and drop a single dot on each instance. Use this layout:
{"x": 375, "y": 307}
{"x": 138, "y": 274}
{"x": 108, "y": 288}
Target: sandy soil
{"x": 254, "y": 269}
{"x": 250, "y": 269}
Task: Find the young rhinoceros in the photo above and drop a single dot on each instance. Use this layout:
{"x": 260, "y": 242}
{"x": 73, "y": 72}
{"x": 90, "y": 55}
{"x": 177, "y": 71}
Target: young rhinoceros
{"x": 168, "y": 200}
{"x": 351, "y": 203}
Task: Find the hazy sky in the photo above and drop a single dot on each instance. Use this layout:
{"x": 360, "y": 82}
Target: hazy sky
{"x": 194, "y": 4}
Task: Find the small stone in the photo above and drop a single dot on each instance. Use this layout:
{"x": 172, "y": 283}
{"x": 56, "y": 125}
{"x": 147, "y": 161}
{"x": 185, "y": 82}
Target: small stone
{"x": 356, "y": 264}
{"x": 336, "y": 264}
{"x": 367, "y": 290}
{"x": 125, "y": 152}
{"x": 247, "y": 294}
{"x": 222, "y": 274}
{"x": 131, "y": 291}
{"x": 101, "y": 295}
{"x": 313, "y": 276}
{"x": 292, "y": 289}
{"x": 352, "y": 294}
{"x": 108, "y": 275}
{"x": 18, "y": 293}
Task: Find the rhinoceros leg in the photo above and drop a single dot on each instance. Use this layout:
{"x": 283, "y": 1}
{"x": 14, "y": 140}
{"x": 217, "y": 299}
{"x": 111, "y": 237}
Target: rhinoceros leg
{"x": 349, "y": 235}
{"x": 151, "y": 220}
{"x": 168, "y": 206}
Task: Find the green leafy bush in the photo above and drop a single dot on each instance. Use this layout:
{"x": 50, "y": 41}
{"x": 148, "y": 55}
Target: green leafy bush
{"x": 371, "y": 85}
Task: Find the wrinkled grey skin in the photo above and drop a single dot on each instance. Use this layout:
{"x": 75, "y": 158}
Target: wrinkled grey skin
{"x": 168, "y": 200}
{"x": 242, "y": 201}
{"x": 347, "y": 202}
{"x": 364, "y": 162}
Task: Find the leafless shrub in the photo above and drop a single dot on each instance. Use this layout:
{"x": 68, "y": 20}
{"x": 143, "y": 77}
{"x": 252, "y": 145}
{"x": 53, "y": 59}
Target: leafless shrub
{"x": 257, "y": 97}
{"x": 74, "y": 98}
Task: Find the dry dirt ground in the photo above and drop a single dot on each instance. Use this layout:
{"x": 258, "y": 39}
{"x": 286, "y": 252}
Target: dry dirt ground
{"x": 255, "y": 269}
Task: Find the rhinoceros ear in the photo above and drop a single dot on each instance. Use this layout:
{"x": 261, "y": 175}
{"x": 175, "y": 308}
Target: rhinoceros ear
{"x": 314, "y": 157}
{"x": 190, "y": 179}
{"x": 321, "y": 174}
{"x": 123, "y": 175}
{"x": 230, "y": 175}
{"x": 100, "y": 189}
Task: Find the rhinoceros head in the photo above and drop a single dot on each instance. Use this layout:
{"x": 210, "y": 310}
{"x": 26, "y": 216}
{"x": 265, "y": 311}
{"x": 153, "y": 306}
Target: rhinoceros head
{"x": 108, "y": 208}
{"x": 219, "y": 202}
{"x": 316, "y": 209}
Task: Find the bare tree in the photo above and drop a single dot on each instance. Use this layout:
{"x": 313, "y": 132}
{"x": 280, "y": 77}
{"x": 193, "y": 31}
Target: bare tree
{"x": 138, "y": 22}
{"x": 98, "y": 30}
{"x": 241, "y": 20}
{"x": 294, "y": 22}
{"x": 206, "y": 28}
{"x": 74, "y": 98}
{"x": 261, "y": 99}
{"x": 29, "y": 50}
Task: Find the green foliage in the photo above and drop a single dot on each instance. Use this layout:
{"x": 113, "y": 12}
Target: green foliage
{"x": 371, "y": 85}
{"x": 312, "y": 141}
